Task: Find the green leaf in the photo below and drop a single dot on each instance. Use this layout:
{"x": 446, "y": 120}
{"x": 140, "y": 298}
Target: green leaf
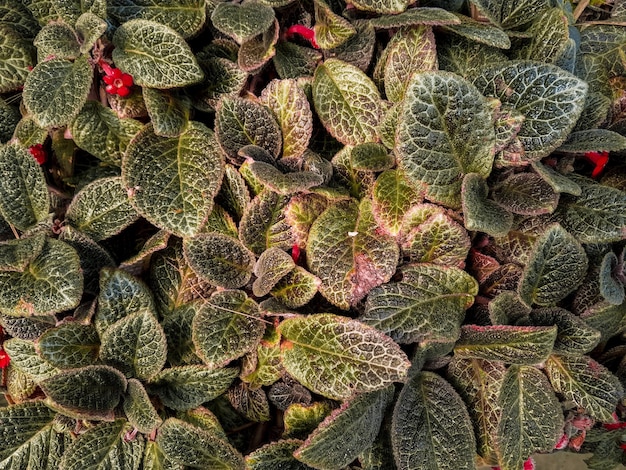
{"x": 184, "y": 16}
{"x": 136, "y": 345}
{"x": 559, "y": 182}
{"x": 24, "y": 198}
{"x": 335, "y": 356}
{"x": 278, "y": 454}
{"x": 510, "y": 14}
{"x": 89, "y": 27}
{"x": 69, "y": 345}
{"x": 370, "y": 157}
{"x": 195, "y": 447}
{"x": 331, "y": 30}
{"x": 347, "y": 432}
{"x": 296, "y": 289}
{"x": 585, "y": 382}
{"x": 574, "y": 336}
{"x": 445, "y": 131}
{"x": 139, "y": 409}
{"x": 155, "y": 55}
{"x": 271, "y": 267}
{"x": 249, "y": 402}
{"x": 219, "y": 259}
{"x": 16, "y": 255}
{"x": 155, "y": 459}
{"x": 177, "y": 326}
{"x": 105, "y": 446}
{"x": 222, "y": 77}
{"x": 382, "y": 6}
{"x": 16, "y": 58}
{"x": 256, "y": 52}
{"x": 422, "y": 419}
{"x": 136, "y": 263}
{"x": 606, "y": 318}
{"x": 228, "y": 326}
{"x": 347, "y": 102}
{"x": 464, "y": 57}
{"x": 358, "y": 50}
{"x": 347, "y": 254}
{"x": 284, "y": 183}
{"x": 415, "y": 16}
{"x": 392, "y": 197}
{"x": 524, "y": 345}
{"x": 533, "y": 421}
{"x": 56, "y": 90}
{"x": 58, "y": 40}
{"x": 301, "y": 420}
{"x": 24, "y": 357}
{"x": 17, "y": 15}
{"x": 169, "y": 112}
{"x": 427, "y": 305}
{"x": 556, "y": 267}
{"x": 234, "y": 195}
{"x": 186, "y": 387}
{"x": 550, "y": 99}
{"x": 293, "y": 61}
{"x": 550, "y": 37}
{"x": 29, "y": 328}
{"x": 173, "y": 180}
{"x": 611, "y": 287}
{"x": 605, "y": 43}
{"x": 482, "y": 214}
{"x": 480, "y": 32}
{"x": 242, "y": 22}
{"x": 594, "y": 140}
{"x": 52, "y": 283}
{"x": 526, "y": 194}
{"x": 90, "y": 392}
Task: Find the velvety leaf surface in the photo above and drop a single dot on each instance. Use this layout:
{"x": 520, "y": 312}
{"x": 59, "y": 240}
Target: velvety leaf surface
{"x": 284, "y": 183}
{"x": 242, "y": 22}
{"x": 427, "y": 305}
{"x": 526, "y": 194}
{"x": 313, "y": 345}
{"x": 510, "y": 14}
{"x": 24, "y": 357}
{"x": 347, "y": 102}
{"x": 256, "y": 52}
{"x": 172, "y": 181}
{"x": 550, "y": 37}
{"x": 445, "y": 131}
{"x": 155, "y": 55}
{"x": 296, "y": 288}
{"x": 16, "y": 255}
{"x": 19, "y": 18}
{"x": 559, "y": 182}
{"x": 331, "y": 30}
{"x": 370, "y": 157}
{"x": 139, "y": 409}
{"x": 301, "y": 420}
{"x": 480, "y": 32}
{"x": 382, "y": 6}
{"x": 430, "y": 416}
{"x": 392, "y": 197}
{"x": 221, "y": 77}
{"x": 480, "y": 213}
{"x": 251, "y": 403}
{"x": 57, "y": 39}
{"x": 349, "y": 430}
{"x": 272, "y": 265}
{"x": 169, "y": 112}
{"x": 89, "y": 28}
{"x": 415, "y": 16}
{"x": 69, "y": 345}
{"x": 594, "y": 140}
{"x": 293, "y": 61}
{"x": 556, "y": 267}
{"x": 347, "y": 254}
{"x": 276, "y": 455}
{"x": 574, "y": 336}
{"x": 611, "y": 287}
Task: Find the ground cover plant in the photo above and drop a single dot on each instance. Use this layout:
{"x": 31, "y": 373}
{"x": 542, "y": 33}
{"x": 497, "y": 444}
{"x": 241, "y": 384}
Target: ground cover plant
{"x": 289, "y": 234}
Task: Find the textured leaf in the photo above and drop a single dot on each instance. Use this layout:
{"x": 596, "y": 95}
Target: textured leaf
{"x": 550, "y": 99}
{"x": 293, "y": 61}
{"x": 313, "y": 345}
{"x": 574, "y": 336}
{"x": 234, "y": 195}
{"x": 16, "y": 58}
{"x": 195, "y": 447}
{"x": 445, "y": 131}
{"x": 559, "y": 182}
{"x": 135, "y": 345}
{"x": 594, "y": 140}
{"x": 221, "y": 77}
{"x": 484, "y": 33}
{"x": 427, "y": 305}
{"x": 58, "y": 40}
{"x": 183, "y": 388}
{"x": 524, "y": 345}
{"x": 105, "y": 446}
{"x": 550, "y": 37}
{"x": 242, "y": 22}
{"x": 29, "y": 328}
{"x": 228, "y": 326}
{"x": 155, "y": 55}
{"x": 556, "y": 267}
{"x": 184, "y": 16}
{"x": 331, "y": 30}
{"x": 24, "y": 198}
{"x": 347, "y": 102}
{"x": 138, "y": 408}
{"x": 301, "y": 420}
{"x": 533, "y": 421}
{"x": 52, "y": 283}
{"x": 370, "y": 157}
{"x": 526, "y": 194}
{"x": 271, "y": 267}
{"x": 173, "y": 180}
{"x": 16, "y": 255}
{"x": 430, "y": 416}
{"x": 256, "y": 52}
{"x": 89, "y": 28}
{"x": 585, "y": 382}
{"x": 464, "y": 57}
{"x": 220, "y": 221}
{"x": 169, "y": 113}
{"x": 392, "y": 197}
{"x": 611, "y": 288}
{"x": 178, "y": 331}
{"x": 606, "y": 318}
{"x": 348, "y": 264}
{"x": 382, "y": 6}
{"x": 219, "y": 259}
{"x": 358, "y": 50}
{"x": 482, "y": 214}
{"x": 11, "y": 118}
{"x": 510, "y": 14}
{"x": 24, "y": 358}
{"x": 416, "y": 16}
{"x": 268, "y": 368}
{"x": 101, "y": 209}
{"x": 155, "y": 459}
{"x": 69, "y": 345}
{"x": 284, "y": 183}
{"x": 605, "y": 44}
{"x": 19, "y": 18}
{"x": 276, "y": 455}
{"x": 56, "y": 90}
{"x": 296, "y": 289}
{"x": 249, "y": 402}
{"x": 136, "y": 263}
{"x": 90, "y": 392}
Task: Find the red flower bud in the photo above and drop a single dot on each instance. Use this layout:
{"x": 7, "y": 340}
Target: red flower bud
{"x": 599, "y": 160}
{"x": 39, "y": 153}
{"x": 4, "y": 359}
{"x": 295, "y": 253}
{"x": 306, "y": 33}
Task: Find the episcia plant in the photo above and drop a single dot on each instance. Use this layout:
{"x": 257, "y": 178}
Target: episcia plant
{"x": 285, "y": 234}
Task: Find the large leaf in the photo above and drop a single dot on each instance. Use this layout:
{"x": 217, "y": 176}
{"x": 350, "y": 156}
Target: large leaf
{"x": 57, "y": 39}
{"x": 550, "y": 37}
{"x": 103, "y": 447}
{"x": 24, "y": 197}
{"x": 556, "y": 267}
{"x": 173, "y": 180}
{"x": 574, "y": 336}
{"x": 550, "y": 98}
{"x": 427, "y": 305}
{"x": 336, "y": 356}
{"x": 56, "y": 90}
{"x": 422, "y": 419}
{"x": 526, "y": 194}
{"x": 24, "y": 357}
{"x": 347, "y": 254}
{"x": 445, "y": 131}
{"x": 347, "y": 102}
{"x": 155, "y": 55}
{"x": 416, "y": 16}
{"x": 168, "y": 111}
{"x": 483, "y": 33}
{"x": 532, "y": 420}
{"x": 587, "y": 384}
{"x": 19, "y": 18}
{"x": 16, "y": 58}
{"x": 242, "y": 22}
{"x": 69, "y": 345}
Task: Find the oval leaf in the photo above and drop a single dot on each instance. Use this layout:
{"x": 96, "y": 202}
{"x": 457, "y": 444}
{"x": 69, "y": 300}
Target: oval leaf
{"x": 392, "y": 197}
{"x": 139, "y": 409}
{"x": 70, "y": 345}
{"x": 242, "y": 22}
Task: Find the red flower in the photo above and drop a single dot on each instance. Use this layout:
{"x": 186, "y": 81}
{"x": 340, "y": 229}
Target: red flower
{"x": 4, "y": 359}
{"x": 306, "y": 33}
{"x": 529, "y": 464}
{"x": 599, "y": 160}
{"x": 563, "y": 441}
{"x": 613, "y": 426}
{"x": 39, "y": 153}
{"x": 295, "y": 253}
{"x": 118, "y": 83}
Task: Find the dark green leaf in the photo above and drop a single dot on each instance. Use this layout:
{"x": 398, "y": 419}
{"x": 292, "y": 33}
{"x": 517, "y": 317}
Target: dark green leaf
{"x": 550, "y": 37}
{"x": 242, "y": 22}
{"x": 24, "y": 357}
{"x": 574, "y": 336}
{"x": 69, "y": 345}
{"x": 297, "y": 288}
{"x": 16, "y": 59}
{"x": 169, "y": 113}
{"x": 416, "y": 16}
{"x": 331, "y": 30}
{"x": 276, "y": 455}
{"x": 271, "y": 267}
{"x": 57, "y": 39}
{"x": 479, "y": 212}
{"x": 484, "y": 33}
{"x": 526, "y": 194}
{"x": 594, "y": 140}
{"x": 139, "y": 409}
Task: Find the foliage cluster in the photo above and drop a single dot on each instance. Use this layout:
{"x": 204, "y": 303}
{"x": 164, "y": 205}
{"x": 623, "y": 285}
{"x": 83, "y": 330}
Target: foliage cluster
{"x": 286, "y": 234}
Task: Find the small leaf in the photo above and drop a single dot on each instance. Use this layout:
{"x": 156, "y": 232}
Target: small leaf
{"x": 284, "y": 183}
{"x": 173, "y": 180}
{"x": 155, "y": 459}
{"x": 177, "y": 326}
{"x": 427, "y": 305}
{"x": 234, "y": 195}
{"x": 312, "y": 345}
{"x": 242, "y": 22}
{"x": 276, "y": 455}
{"x": 482, "y": 214}
{"x": 256, "y": 52}
{"x": 347, "y": 102}
{"x": 228, "y": 326}
{"x": 611, "y": 288}
{"x": 526, "y": 194}
{"x": 415, "y": 16}
{"x": 421, "y": 420}
{"x": 510, "y": 14}
{"x": 556, "y": 267}
{"x": 222, "y": 77}
{"x": 331, "y": 30}
{"x": 155, "y": 55}
{"x": 16, "y": 255}
{"x": 157, "y": 242}
{"x": 574, "y": 336}
{"x": 17, "y": 56}
{"x": 586, "y": 383}
{"x": 594, "y": 140}
{"x": 183, "y": 388}
{"x": 358, "y": 50}
{"x": 477, "y": 31}
{"x": 346, "y": 432}
{"x": 69, "y": 345}
{"x": 559, "y": 182}
{"x": 392, "y": 197}
{"x": 89, "y": 28}
{"x": 250, "y": 402}
{"x": 24, "y": 357}
{"x": 370, "y": 157}
{"x": 296, "y": 289}
{"x": 550, "y": 37}
{"x": 524, "y": 345}
{"x": 272, "y": 265}
{"x": 58, "y": 40}
{"x": 169, "y": 113}
{"x": 293, "y": 61}
{"x": 138, "y": 408}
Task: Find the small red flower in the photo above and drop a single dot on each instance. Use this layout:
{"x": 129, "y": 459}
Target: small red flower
{"x": 529, "y": 464}
{"x": 39, "y": 153}
{"x": 563, "y": 441}
{"x": 118, "y": 83}
{"x": 306, "y": 33}
{"x": 599, "y": 160}
{"x": 613, "y": 426}
{"x": 295, "y": 253}
{"x": 4, "y": 359}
